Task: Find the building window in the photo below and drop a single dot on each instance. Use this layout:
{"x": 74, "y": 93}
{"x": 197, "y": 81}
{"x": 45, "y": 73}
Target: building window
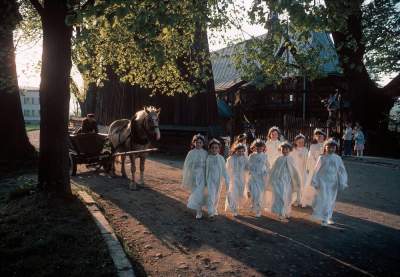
{"x": 26, "y": 100}
{"x": 27, "y": 113}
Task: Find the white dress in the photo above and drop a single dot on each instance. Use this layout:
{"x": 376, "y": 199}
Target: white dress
{"x": 215, "y": 173}
{"x": 316, "y": 150}
{"x": 299, "y": 156}
{"x": 194, "y": 173}
{"x": 258, "y": 172}
{"x": 329, "y": 177}
{"x": 236, "y": 195}
{"x": 284, "y": 181}
{"x": 273, "y": 151}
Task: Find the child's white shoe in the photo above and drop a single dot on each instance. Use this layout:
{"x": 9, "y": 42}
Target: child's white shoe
{"x": 258, "y": 214}
{"x": 235, "y": 214}
{"x": 330, "y": 222}
{"x": 199, "y": 214}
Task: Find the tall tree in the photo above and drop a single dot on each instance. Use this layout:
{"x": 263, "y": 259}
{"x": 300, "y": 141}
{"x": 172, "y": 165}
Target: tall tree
{"x": 15, "y": 146}
{"x": 368, "y": 104}
{"x": 54, "y": 95}
{"x": 354, "y": 43}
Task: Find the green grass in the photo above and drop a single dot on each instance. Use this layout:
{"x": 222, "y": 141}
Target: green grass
{"x": 32, "y": 126}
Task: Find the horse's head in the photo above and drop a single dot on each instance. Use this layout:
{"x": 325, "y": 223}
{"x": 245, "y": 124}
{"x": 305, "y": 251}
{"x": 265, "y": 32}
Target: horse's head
{"x": 152, "y": 120}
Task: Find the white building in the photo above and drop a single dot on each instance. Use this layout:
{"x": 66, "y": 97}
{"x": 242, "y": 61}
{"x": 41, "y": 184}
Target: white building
{"x": 30, "y": 104}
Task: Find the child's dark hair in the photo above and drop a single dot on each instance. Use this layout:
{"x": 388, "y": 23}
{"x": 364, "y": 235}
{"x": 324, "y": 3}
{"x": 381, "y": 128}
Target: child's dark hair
{"x": 198, "y": 137}
{"x": 296, "y": 138}
{"x": 236, "y": 146}
{"x": 272, "y": 129}
{"x": 214, "y": 141}
{"x": 257, "y": 143}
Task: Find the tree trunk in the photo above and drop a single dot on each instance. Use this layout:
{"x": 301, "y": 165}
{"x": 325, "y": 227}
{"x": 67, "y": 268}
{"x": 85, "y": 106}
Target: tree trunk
{"x": 15, "y": 147}
{"x": 89, "y": 106}
{"x": 54, "y": 98}
{"x": 368, "y": 103}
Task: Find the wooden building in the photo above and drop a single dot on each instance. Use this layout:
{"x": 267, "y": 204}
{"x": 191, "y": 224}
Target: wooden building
{"x": 181, "y": 116}
{"x": 280, "y": 105}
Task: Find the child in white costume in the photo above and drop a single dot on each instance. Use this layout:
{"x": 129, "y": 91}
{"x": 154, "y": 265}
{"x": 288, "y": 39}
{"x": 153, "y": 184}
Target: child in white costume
{"x": 299, "y": 155}
{"x": 284, "y": 181}
{"x": 194, "y": 174}
{"x": 215, "y": 173}
{"x": 330, "y": 176}
{"x": 258, "y": 171}
{"x": 273, "y": 144}
{"x": 316, "y": 149}
{"x": 236, "y": 166}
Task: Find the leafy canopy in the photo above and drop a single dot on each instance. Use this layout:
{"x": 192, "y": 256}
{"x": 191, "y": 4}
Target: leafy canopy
{"x": 154, "y": 44}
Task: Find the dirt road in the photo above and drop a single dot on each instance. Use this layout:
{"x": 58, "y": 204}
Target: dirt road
{"x": 164, "y": 239}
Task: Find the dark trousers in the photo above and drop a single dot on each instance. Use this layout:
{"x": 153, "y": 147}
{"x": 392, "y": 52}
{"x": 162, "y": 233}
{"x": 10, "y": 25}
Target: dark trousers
{"x": 347, "y": 147}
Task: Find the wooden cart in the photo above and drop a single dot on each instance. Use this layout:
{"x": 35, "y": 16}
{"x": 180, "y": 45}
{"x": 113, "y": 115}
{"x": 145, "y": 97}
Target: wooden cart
{"x": 89, "y": 149}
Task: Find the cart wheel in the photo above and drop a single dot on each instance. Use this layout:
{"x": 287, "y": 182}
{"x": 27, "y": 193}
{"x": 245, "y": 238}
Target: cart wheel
{"x": 72, "y": 166}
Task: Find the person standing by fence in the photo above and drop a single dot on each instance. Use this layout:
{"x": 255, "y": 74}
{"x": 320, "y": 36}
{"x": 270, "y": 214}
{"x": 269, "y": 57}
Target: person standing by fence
{"x": 348, "y": 139}
{"x": 359, "y": 141}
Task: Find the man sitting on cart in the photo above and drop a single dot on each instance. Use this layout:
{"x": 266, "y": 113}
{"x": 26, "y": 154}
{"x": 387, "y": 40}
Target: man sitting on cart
{"x": 89, "y": 125}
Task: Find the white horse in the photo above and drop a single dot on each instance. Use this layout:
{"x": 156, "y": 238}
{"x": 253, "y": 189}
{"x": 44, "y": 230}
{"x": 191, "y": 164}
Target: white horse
{"x": 135, "y": 134}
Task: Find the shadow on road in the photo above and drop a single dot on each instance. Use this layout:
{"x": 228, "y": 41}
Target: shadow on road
{"x": 300, "y": 247}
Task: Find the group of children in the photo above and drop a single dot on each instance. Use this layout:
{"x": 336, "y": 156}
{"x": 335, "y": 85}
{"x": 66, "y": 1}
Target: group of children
{"x": 274, "y": 176}
{"x": 353, "y": 134}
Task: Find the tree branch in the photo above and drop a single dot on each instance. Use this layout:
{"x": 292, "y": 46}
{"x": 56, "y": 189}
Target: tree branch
{"x": 393, "y": 86}
{"x": 88, "y": 3}
{"x": 36, "y": 4}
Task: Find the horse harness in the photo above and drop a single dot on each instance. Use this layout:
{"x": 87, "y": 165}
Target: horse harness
{"x": 134, "y": 135}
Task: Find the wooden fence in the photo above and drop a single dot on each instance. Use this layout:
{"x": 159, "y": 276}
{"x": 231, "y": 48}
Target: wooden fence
{"x": 291, "y": 126}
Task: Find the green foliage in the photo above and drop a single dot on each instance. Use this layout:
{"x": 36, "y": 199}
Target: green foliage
{"x": 29, "y": 29}
{"x": 153, "y": 44}
{"x": 288, "y": 49}
{"x": 381, "y": 29}
{"x": 9, "y": 18}
{"x": 26, "y": 186}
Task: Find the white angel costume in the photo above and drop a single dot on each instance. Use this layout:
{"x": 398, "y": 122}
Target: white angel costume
{"x": 308, "y": 194}
{"x": 330, "y": 176}
{"x": 284, "y": 181}
{"x": 273, "y": 151}
{"x": 194, "y": 173}
{"x": 215, "y": 174}
{"x": 236, "y": 194}
{"x": 258, "y": 171}
{"x": 299, "y": 155}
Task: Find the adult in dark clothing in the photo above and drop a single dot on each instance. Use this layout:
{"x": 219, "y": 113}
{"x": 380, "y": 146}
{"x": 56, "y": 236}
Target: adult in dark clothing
{"x": 89, "y": 125}
{"x": 251, "y": 134}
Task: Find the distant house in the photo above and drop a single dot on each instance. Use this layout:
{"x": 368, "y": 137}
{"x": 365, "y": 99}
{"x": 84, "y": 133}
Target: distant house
{"x": 30, "y": 104}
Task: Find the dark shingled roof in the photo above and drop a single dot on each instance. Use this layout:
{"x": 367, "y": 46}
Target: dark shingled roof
{"x": 226, "y": 75}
